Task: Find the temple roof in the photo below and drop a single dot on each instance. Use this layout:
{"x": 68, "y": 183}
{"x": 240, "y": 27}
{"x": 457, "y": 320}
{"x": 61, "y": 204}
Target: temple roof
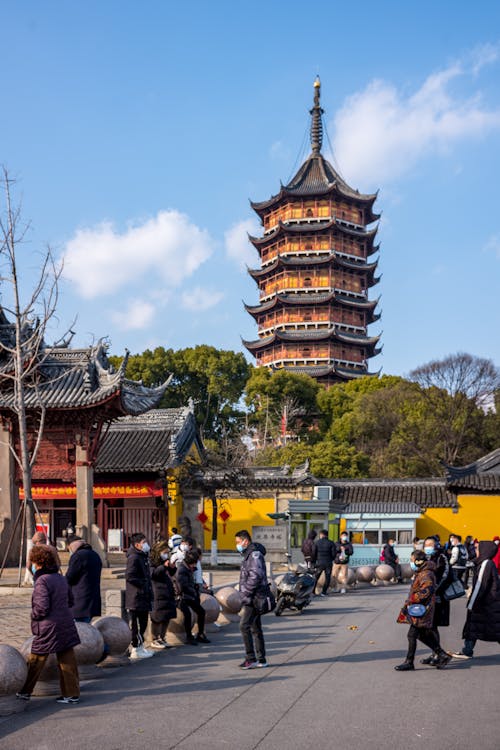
{"x": 482, "y": 475}
{"x": 312, "y": 260}
{"x": 316, "y": 176}
{"x": 313, "y": 298}
{"x": 391, "y": 495}
{"x": 331, "y": 370}
{"x": 156, "y": 441}
{"x": 314, "y": 334}
{"x": 78, "y": 378}
{"x": 316, "y": 227}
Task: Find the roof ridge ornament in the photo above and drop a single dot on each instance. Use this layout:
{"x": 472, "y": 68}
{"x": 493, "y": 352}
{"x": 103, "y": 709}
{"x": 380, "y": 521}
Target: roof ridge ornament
{"x": 316, "y": 122}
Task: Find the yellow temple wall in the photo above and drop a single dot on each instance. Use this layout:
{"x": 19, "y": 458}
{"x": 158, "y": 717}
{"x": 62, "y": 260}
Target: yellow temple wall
{"x": 478, "y": 515}
{"x": 243, "y": 514}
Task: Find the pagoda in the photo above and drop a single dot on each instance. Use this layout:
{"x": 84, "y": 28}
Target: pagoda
{"x": 315, "y": 272}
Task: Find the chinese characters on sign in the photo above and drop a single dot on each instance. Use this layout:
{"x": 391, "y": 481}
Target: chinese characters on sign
{"x": 274, "y": 538}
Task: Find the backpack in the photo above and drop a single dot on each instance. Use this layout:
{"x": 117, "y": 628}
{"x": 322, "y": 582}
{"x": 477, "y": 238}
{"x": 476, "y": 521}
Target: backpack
{"x": 382, "y": 555}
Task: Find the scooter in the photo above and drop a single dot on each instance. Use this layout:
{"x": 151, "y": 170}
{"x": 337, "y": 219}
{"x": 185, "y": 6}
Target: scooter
{"x": 295, "y": 590}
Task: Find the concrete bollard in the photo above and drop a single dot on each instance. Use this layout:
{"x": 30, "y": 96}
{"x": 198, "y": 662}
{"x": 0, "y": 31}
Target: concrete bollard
{"x": 13, "y": 673}
{"x": 116, "y": 635}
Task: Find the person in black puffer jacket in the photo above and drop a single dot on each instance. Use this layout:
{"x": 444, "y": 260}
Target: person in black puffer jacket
{"x": 189, "y": 597}
{"x": 84, "y": 577}
{"x": 322, "y": 558}
{"x": 253, "y": 580}
{"x": 343, "y": 552}
{"x": 483, "y": 607}
{"x": 308, "y": 546}
{"x": 138, "y": 593}
{"x": 164, "y": 608}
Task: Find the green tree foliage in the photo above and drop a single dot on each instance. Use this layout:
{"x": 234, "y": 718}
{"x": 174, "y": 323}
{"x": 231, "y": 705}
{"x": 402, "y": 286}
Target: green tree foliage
{"x": 213, "y": 378}
{"x": 274, "y": 396}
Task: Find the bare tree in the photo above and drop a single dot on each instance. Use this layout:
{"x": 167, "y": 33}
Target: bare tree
{"x": 24, "y": 320}
{"x": 471, "y": 382}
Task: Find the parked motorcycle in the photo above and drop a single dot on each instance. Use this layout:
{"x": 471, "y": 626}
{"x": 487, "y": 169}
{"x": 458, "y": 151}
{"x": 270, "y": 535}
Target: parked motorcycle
{"x": 295, "y": 590}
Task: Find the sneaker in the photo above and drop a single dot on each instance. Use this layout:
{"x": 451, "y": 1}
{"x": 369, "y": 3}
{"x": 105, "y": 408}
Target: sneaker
{"x": 158, "y": 644}
{"x": 202, "y": 638}
{"x": 322, "y": 594}
{"x": 406, "y": 666}
{"x": 249, "y": 664}
{"x": 342, "y": 591}
{"x": 429, "y": 660}
{"x": 459, "y": 655}
{"x": 23, "y": 696}
{"x": 145, "y": 651}
{"x": 137, "y": 653}
{"x": 64, "y": 699}
{"x": 442, "y": 661}
{"x": 261, "y": 664}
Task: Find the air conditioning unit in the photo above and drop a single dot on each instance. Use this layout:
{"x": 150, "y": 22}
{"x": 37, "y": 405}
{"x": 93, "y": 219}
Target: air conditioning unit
{"x": 322, "y": 492}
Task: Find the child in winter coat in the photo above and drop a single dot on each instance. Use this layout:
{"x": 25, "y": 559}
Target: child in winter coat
{"x": 422, "y": 592}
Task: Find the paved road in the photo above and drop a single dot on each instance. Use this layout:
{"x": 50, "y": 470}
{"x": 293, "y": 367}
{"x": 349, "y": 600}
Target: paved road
{"x": 326, "y": 681}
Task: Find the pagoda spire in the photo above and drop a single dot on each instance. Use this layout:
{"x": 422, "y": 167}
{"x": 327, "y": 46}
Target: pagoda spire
{"x": 316, "y": 122}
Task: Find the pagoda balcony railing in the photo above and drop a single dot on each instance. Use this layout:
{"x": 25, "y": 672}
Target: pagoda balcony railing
{"x": 289, "y": 252}
{"x": 297, "y": 213}
{"x": 310, "y": 362}
{"x": 305, "y": 220}
{"x": 301, "y": 325}
{"x": 266, "y": 296}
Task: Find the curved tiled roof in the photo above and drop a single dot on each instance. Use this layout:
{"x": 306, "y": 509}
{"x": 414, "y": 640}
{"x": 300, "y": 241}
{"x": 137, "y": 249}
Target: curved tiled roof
{"x": 312, "y": 298}
{"x": 283, "y": 229}
{"x": 326, "y": 334}
{"x": 333, "y": 259}
{"x": 424, "y": 493}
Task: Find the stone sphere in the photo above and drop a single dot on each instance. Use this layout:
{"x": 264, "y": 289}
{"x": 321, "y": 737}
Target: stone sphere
{"x": 350, "y": 577}
{"x": 211, "y": 607}
{"x": 365, "y": 573}
{"x": 115, "y": 632}
{"x": 176, "y": 624}
{"x": 50, "y": 671}
{"x": 91, "y": 645}
{"x": 229, "y": 599}
{"x": 406, "y": 571}
{"x": 384, "y": 572}
{"x": 13, "y": 670}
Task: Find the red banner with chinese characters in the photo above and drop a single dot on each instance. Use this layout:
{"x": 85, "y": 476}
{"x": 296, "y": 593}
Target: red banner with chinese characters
{"x": 48, "y": 491}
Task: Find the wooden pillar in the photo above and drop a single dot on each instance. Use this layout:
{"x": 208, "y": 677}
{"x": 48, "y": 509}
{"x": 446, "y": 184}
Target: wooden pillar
{"x": 84, "y": 494}
{"x": 9, "y": 498}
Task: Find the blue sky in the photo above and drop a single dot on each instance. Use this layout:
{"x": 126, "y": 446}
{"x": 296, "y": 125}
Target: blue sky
{"x": 139, "y": 132}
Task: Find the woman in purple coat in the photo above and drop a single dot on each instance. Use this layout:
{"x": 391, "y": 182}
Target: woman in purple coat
{"x": 53, "y": 626}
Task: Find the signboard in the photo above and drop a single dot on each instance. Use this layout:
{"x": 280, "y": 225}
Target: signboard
{"x": 274, "y": 538}
{"x": 115, "y": 540}
{"x": 101, "y": 489}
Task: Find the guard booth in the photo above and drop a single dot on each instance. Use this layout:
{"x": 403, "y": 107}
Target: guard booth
{"x": 321, "y": 512}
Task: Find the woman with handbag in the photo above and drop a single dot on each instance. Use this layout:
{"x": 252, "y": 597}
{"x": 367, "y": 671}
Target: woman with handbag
{"x": 418, "y": 613}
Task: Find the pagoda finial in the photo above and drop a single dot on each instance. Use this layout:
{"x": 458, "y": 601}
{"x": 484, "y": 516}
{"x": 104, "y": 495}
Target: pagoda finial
{"x": 316, "y": 123}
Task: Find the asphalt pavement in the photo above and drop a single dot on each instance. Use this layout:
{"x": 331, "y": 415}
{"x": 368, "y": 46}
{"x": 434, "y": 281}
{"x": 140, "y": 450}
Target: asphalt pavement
{"x": 331, "y": 683}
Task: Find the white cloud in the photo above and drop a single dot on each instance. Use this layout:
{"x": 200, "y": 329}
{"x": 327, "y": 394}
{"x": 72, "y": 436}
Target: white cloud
{"x": 238, "y": 246}
{"x": 200, "y": 298}
{"x": 138, "y": 315}
{"x": 100, "y": 260}
{"x": 381, "y": 133}
{"x": 492, "y": 245}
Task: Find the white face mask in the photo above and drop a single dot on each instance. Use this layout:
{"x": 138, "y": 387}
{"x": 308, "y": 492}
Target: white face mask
{"x": 164, "y": 555}
{"x": 343, "y": 539}
{"x": 183, "y": 547}
{"x": 145, "y": 547}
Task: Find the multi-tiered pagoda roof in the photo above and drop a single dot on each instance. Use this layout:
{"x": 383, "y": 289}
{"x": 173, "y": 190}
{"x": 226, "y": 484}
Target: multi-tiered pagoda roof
{"x": 314, "y": 273}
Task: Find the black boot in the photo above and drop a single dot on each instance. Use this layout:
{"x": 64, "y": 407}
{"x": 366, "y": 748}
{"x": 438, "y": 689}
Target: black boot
{"x": 442, "y": 660}
{"x": 406, "y": 666}
{"x": 430, "y": 660}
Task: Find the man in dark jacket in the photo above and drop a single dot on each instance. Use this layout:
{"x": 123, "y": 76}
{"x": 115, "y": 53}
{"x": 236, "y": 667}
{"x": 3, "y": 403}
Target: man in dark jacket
{"x": 483, "y": 607}
{"x": 138, "y": 593}
{"x": 84, "y": 577}
{"x": 253, "y": 580}
{"x": 322, "y": 557}
{"x": 391, "y": 559}
{"x": 307, "y": 547}
{"x": 189, "y": 597}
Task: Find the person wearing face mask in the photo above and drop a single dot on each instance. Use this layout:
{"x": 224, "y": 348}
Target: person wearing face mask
{"x": 164, "y": 608}
{"x": 253, "y": 578}
{"x": 138, "y": 594}
{"x": 422, "y": 591}
{"x": 342, "y": 552}
{"x": 458, "y": 556}
{"x": 444, "y": 576}
{"x": 391, "y": 559}
{"x": 483, "y": 607}
{"x": 189, "y": 597}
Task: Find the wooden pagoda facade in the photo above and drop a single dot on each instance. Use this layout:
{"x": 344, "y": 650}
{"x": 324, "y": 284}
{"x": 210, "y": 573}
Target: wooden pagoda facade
{"x": 316, "y": 270}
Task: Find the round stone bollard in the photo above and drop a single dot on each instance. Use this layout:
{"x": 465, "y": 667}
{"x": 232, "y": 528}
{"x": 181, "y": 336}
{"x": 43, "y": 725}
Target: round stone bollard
{"x": 384, "y": 573}
{"x": 350, "y": 577}
{"x": 13, "y": 673}
{"x": 212, "y": 611}
{"x": 89, "y": 650}
{"x": 365, "y": 574}
{"x": 48, "y": 682}
{"x": 406, "y": 571}
{"x": 177, "y": 635}
{"x": 116, "y": 635}
{"x": 229, "y": 599}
